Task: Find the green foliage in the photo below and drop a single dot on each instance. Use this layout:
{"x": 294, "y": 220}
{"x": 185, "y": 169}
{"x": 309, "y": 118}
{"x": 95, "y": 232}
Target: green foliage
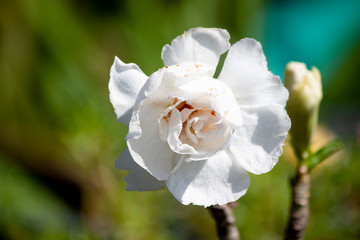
{"x": 30, "y": 211}
{"x": 327, "y": 151}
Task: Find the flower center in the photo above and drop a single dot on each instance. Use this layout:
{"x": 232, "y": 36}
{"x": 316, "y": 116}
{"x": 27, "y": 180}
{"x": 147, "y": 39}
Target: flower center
{"x": 197, "y": 123}
{"x": 194, "y": 128}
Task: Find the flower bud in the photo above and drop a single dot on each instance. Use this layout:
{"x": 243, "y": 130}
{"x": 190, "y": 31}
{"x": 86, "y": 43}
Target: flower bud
{"x": 303, "y": 105}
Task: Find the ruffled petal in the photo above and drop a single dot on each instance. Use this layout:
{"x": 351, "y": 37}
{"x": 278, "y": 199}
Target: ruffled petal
{"x": 203, "y": 45}
{"x": 148, "y": 149}
{"x": 177, "y": 75}
{"x": 138, "y": 178}
{"x": 143, "y": 140}
{"x": 218, "y": 180}
{"x": 245, "y": 72}
{"x": 151, "y": 85}
{"x": 126, "y": 80}
{"x": 258, "y": 145}
{"x": 175, "y": 127}
{"x": 215, "y": 95}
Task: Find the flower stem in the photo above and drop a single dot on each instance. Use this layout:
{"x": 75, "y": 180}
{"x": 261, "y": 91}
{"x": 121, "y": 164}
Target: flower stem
{"x": 299, "y": 212}
{"x": 225, "y": 221}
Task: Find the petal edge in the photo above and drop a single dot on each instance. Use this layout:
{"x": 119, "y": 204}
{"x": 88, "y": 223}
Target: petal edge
{"x": 258, "y": 146}
{"x": 203, "y": 45}
{"x": 245, "y": 71}
{"x": 138, "y": 178}
{"x": 126, "y": 80}
{"x": 218, "y": 180}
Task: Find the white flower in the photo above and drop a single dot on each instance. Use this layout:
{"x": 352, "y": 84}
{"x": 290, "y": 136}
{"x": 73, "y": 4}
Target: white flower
{"x": 198, "y": 135}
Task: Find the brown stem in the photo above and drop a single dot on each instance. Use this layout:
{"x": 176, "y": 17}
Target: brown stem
{"x": 225, "y": 221}
{"x": 299, "y": 212}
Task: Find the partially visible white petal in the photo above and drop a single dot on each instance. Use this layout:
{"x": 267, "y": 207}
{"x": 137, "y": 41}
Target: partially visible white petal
{"x": 258, "y": 145}
{"x": 138, "y": 178}
{"x": 218, "y": 180}
{"x": 175, "y": 127}
{"x": 245, "y": 72}
{"x": 179, "y": 74}
{"x": 196, "y": 150}
{"x": 203, "y": 45}
{"x": 151, "y": 85}
{"x": 147, "y": 148}
{"x": 216, "y": 96}
{"x": 126, "y": 80}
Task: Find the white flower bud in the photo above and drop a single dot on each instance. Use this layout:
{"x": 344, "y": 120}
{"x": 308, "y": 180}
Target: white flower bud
{"x": 303, "y": 105}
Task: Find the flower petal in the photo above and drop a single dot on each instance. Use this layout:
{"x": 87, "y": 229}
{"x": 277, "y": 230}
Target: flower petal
{"x": 126, "y": 80}
{"x": 258, "y": 145}
{"x": 177, "y": 75}
{"x": 245, "y": 72}
{"x": 213, "y": 94}
{"x": 138, "y": 178}
{"x": 203, "y": 45}
{"x": 218, "y": 180}
{"x": 147, "y": 148}
{"x": 175, "y": 127}
{"x": 213, "y": 107}
{"x": 151, "y": 85}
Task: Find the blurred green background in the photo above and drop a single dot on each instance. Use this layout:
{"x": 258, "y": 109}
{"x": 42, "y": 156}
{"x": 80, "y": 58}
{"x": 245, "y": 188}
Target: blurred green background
{"x": 59, "y": 135}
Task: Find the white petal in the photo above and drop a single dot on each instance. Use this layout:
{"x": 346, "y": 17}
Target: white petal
{"x": 147, "y": 148}
{"x": 126, "y": 80}
{"x": 214, "y": 141}
{"x": 138, "y": 178}
{"x": 151, "y": 85}
{"x": 217, "y": 96}
{"x": 185, "y": 72}
{"x": 218, "y": 180}
{"x": 203, "y": 45}
{"x": 177, "y": 75}
{"x": 245, "y": 72}
{"x": 175, "y": 127}
{"x": 258, "y": 145}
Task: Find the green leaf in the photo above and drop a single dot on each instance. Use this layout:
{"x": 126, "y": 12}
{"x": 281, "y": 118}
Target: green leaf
{"x": 314, "y": 159}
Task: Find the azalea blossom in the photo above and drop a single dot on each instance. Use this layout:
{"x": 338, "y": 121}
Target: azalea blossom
{"x": 194, "y": 134}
